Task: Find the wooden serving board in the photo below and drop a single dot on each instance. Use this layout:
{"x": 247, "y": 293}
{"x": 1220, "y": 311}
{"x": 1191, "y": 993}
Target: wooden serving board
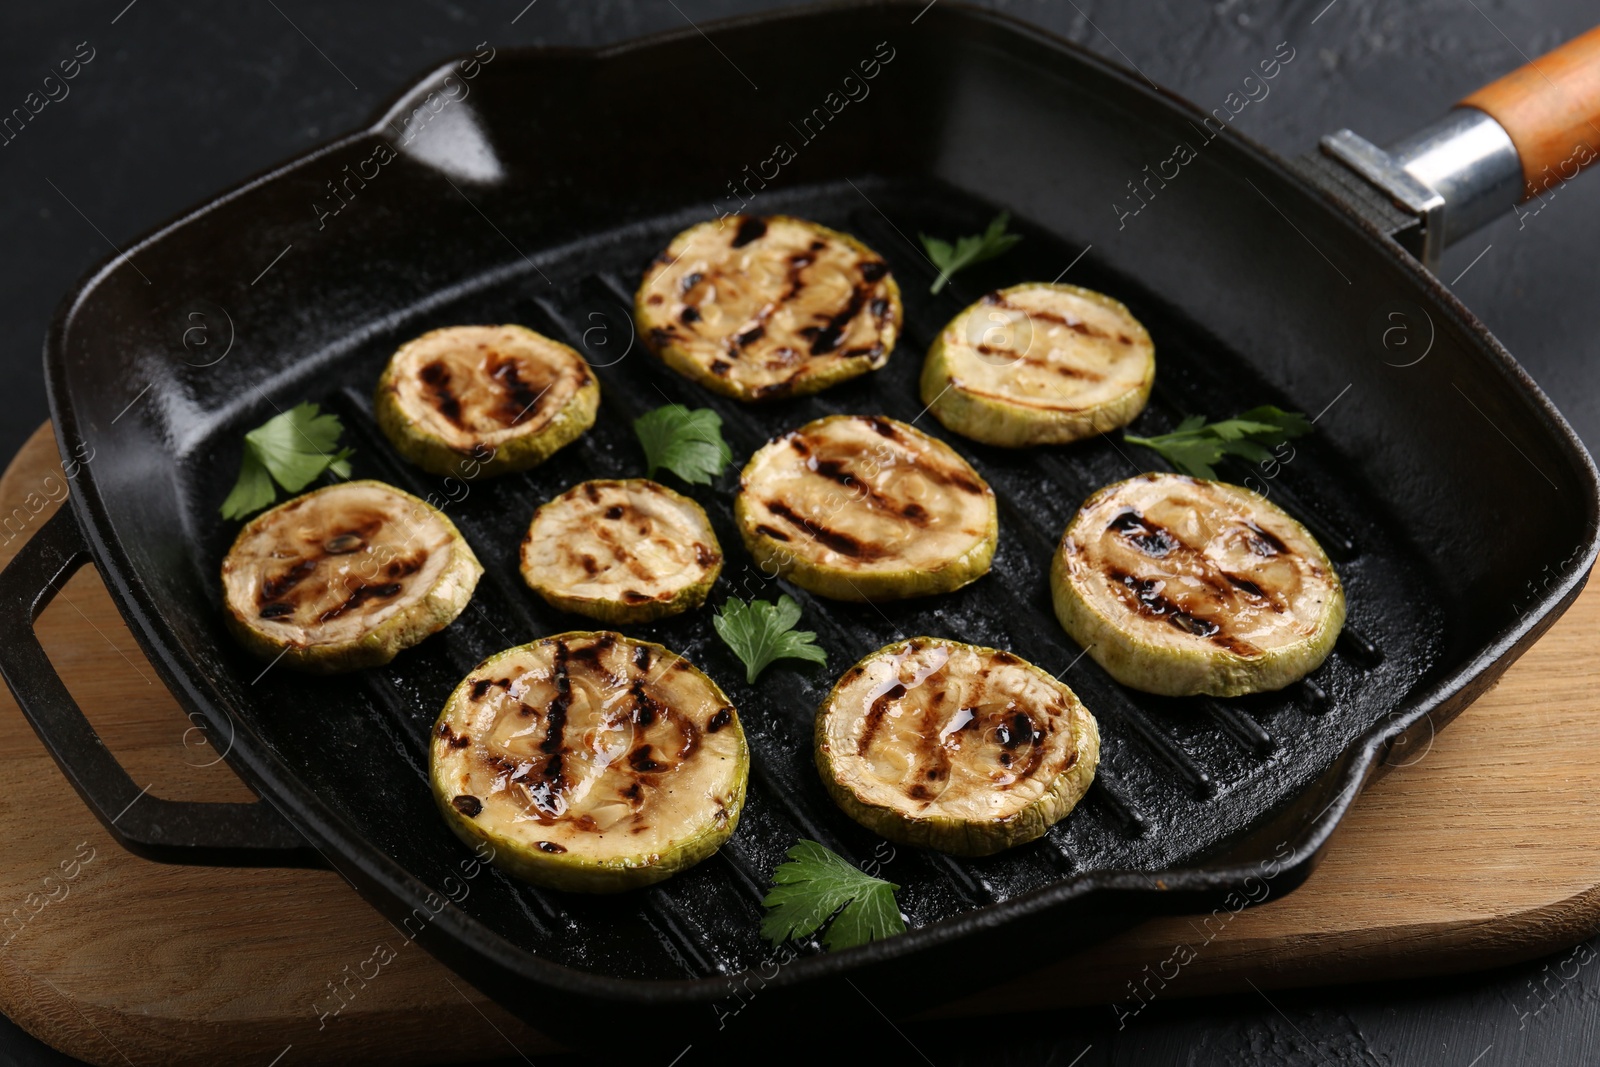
{"x": 1478, "y": 852}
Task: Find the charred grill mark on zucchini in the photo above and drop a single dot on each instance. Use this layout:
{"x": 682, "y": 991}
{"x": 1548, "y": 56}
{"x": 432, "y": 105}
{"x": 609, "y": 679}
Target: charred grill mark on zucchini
{"x": 359, "y": 595}
{"x": 544, "y": 780}
{"x": 1010, "y": 727}
{"x": 522, "y": 399}
{"x": 644, "y": 709}
{"x": 443, "y": 398}
{"x": 1263, "y": 543}
{"x": 345, "y": 576}
{"x": 784, "y": 307}
{"x": 1242, "y": 600}
{"x": 1062, "y": 369}
{"x": 1039, "y": 363}
{"x": 750, "y": 229}
{"x": 839, "y": 472}
{"x": 965, "y": 480}
{"x": 875, "y": 714}
{"x": 831, "y": 334}
{"x": 1143, "y": 595}
{"x": 275, "y": 588}
{"x": 1158, "y": 543}
{"x": 1147, "y": 537}
{"x": 933, "y": 742}
{"x": 469, "y": 400}
{"x": 797, "y": 280}
{"x": 621, "y": 551}
{"x": 841, "y": 543}
{"x": 282, "y": 595}
{"x": 1076, "y": 325}
{"x": 591, "y": 770}
{"x": 553, "y": 745}
{"x": 861, "y": 507}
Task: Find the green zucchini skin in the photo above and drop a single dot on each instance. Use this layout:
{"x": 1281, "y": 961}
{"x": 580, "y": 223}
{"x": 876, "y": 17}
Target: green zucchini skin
{"x": 781, "y": 548}
{"x": 497, "y": 452}
{"x": 873, "y": 802}
{"x": 1155, "y": 661}
{"x": 547, "y": 569}
{"x": 443, "y": 601}
{"x": 737, "y": 371}
{"x": 721, "y": 784}
{"x": 1051, "y": 417}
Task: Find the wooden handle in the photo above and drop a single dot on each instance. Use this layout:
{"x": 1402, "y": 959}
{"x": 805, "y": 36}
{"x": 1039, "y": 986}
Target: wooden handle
{"x": 1551, "y": 109}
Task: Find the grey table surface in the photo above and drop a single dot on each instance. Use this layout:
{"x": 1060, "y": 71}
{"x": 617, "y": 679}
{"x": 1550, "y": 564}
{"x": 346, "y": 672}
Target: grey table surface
{"x": 181, "y": 100}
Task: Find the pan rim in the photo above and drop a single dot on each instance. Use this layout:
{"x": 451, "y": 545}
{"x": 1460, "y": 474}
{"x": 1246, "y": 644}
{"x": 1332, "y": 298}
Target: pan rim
{"x": 280, "y": 785}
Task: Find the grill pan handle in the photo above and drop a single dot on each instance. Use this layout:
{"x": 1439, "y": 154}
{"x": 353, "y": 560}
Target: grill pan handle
{"x": 216, "y": 834}
{"x": 1551, "y": 111}
{"x": 1500, "y": 149}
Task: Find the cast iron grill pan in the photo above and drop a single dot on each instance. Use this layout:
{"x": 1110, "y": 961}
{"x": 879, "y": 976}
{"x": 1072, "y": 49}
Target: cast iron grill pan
{"x": 1442, "y": 533}
{"x": 1178, "y": 777}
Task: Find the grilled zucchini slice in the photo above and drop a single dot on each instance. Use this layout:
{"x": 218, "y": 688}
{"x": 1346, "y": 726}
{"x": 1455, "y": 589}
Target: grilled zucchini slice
{"x": 483, "y": 400}
{"x": 346, "y": 577}
{"x": 590, "y": 762}
{"x": 621, "y": 551}
{"x": 865, "y": 508}
{"x": 1039, "y": 364}
{"x": 1180, "y": 586}
{"x": 955, "y": 747}
{"x": 756, "y": 308}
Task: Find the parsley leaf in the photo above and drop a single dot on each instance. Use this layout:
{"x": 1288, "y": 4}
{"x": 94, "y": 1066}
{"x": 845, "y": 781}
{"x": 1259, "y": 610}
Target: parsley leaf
{"x": 293, "y": 449}
{"x": 761, "y": 631}
{"x": 1196, "y": 445}
{"x": 687, "y": 442}
{"x": 252, "y": 492}
{"x": 974, "y": 248}
{"x": 817, "y": 885}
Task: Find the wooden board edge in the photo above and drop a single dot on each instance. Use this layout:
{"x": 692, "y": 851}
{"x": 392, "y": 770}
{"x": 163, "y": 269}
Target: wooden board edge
{"x": 1404, "y": 951}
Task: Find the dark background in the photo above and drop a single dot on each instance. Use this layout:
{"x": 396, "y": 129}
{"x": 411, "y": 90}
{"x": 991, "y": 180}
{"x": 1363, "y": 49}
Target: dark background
{"x": 182, "y": 100}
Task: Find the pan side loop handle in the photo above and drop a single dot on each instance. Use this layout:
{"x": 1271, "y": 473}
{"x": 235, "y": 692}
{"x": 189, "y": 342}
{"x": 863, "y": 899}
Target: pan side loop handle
{"x": 215, "y": 834}
{"x": 1551, "y": 110}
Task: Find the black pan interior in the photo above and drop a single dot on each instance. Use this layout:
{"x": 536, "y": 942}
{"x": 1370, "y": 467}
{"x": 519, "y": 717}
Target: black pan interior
{"x": 1440, "y": 489}
{"x": 1176, "y": 776}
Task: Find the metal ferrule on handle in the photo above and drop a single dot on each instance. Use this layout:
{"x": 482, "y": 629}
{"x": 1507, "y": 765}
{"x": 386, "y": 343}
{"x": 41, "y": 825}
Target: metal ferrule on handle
{"x": 1457, "y": 175}
{"x": 1505, "y": 143}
